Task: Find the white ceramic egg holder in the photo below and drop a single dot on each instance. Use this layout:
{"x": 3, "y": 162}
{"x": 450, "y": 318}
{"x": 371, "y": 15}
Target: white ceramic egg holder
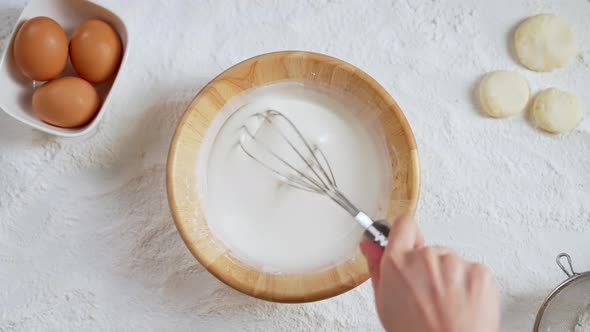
{"x": 16, "y": 90}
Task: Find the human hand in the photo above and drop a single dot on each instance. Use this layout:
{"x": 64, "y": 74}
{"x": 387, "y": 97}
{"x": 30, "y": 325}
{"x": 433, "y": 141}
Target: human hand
{"x": 428, "y": 289}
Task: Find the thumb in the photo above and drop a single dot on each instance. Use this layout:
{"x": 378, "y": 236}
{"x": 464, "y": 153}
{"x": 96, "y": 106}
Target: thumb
{"x": 373, "y": 253}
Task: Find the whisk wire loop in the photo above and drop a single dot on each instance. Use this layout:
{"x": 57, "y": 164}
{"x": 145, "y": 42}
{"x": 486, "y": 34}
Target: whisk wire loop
{"x": 315, "y": 175}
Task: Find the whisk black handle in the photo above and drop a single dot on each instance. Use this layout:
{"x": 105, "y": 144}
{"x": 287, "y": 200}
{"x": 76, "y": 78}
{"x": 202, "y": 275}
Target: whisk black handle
{"x": 378, "y": 232}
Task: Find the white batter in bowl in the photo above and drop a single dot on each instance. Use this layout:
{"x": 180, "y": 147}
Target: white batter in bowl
{"x": 270, "y": 225}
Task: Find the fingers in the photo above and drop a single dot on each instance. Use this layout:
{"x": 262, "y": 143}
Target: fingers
{"x": 481, "y": 287}
{"x": 433, "y": 268}
{"x": 373, "y": 253}
{"x": 403, "y": 237}
{"x": 425, "y": 263}
{"x": 478, "y": 277}
{"x": 452, "y": 270}
{"x": 441, "y": 251}
{"x": 419, "y": 240}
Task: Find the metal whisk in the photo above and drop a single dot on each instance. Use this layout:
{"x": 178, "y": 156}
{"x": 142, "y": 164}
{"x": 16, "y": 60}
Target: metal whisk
{"x": 300, "y": 164}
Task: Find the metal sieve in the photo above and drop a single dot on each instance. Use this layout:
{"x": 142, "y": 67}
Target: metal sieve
{"x": 565, "y": 302}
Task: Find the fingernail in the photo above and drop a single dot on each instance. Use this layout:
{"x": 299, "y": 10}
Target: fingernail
{"x": 363, "y": 248}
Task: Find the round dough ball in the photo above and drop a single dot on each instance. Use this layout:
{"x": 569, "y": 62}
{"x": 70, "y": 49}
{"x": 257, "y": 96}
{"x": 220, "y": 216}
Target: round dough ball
{"x": 556, "y": 111}
{"x": 545, "y": 42}
{"x": 504, "y": 93}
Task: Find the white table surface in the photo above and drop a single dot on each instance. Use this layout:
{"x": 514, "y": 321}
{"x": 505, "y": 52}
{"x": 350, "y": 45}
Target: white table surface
{"x": 86, "y": 238}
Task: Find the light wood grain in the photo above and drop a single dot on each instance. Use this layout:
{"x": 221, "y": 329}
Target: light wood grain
{"x": 182, "y": 160}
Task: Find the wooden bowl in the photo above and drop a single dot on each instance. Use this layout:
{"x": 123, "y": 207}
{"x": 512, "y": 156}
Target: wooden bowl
{"x": 182, "y": 161}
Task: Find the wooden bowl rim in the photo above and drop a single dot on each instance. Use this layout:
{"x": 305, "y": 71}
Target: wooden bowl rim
{"x": 311, "y": 296}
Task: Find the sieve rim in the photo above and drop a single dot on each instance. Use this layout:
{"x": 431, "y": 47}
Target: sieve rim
{"x": 572, "y": 277}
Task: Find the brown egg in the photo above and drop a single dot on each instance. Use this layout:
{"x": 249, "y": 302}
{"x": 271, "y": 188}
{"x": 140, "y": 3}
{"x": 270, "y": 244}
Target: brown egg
{"x": 41, "y": 48}
{"x": 95, "y": 51}
{"x": 66, "y": 102}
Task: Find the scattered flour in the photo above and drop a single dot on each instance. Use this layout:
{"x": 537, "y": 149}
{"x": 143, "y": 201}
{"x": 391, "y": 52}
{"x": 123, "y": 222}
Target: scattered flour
{"x": 86, "y": 238}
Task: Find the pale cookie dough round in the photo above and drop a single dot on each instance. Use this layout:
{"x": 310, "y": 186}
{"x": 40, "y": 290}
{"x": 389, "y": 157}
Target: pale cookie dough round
{"x": 545, "y": 42}
{"x": 504, "y": 93}
{"x": 556, "y": 111}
